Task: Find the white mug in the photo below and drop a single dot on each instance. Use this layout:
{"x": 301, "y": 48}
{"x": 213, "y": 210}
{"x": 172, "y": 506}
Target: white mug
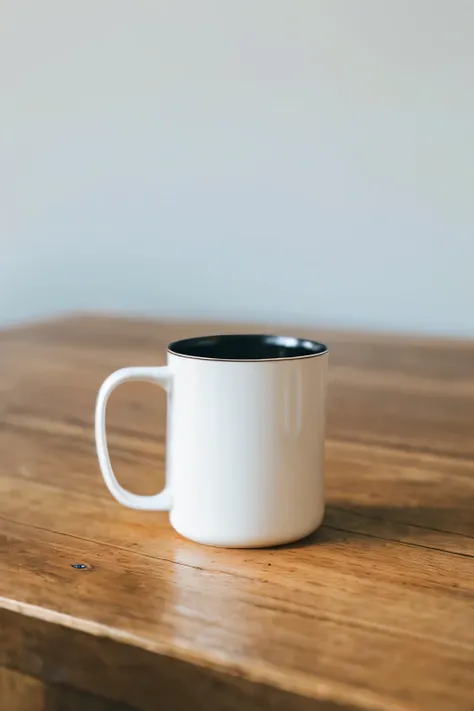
{"x": 245, "y": 450}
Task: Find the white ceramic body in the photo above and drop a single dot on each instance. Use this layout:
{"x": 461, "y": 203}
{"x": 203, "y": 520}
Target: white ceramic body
{"x": 245, "y": 449}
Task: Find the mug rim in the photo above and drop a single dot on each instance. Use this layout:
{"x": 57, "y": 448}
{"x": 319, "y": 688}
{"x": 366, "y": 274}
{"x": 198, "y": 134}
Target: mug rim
{"x": 315, "y": 348}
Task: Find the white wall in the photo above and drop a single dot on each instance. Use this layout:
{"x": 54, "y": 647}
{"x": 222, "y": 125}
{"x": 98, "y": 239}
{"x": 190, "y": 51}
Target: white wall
{"x": 308, "y": 160}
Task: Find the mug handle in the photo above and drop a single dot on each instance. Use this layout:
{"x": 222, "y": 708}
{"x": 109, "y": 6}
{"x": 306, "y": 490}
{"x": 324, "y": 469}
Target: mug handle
{"x": 162, "y": 376}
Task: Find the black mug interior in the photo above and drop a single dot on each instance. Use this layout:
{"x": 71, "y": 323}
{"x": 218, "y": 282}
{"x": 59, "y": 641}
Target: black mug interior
{"x": 246, "y": 347}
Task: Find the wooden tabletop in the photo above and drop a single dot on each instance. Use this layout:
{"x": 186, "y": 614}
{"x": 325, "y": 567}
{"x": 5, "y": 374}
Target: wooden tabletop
{"x": 375, "y": 611}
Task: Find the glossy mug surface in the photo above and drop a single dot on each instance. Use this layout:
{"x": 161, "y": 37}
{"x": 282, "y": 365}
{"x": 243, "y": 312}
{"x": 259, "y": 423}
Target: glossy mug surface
{"x": 245, "y": 449}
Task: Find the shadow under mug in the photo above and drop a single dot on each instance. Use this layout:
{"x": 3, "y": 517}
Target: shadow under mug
{"x": 245, "y": 443}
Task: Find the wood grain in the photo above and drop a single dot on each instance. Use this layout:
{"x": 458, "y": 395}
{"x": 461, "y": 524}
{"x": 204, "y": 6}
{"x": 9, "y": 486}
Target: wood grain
{"x": 20, "y": 692}
{"x": 375, "y": 611}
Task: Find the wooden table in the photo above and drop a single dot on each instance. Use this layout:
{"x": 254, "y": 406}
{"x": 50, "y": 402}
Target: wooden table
{"x": 375, "y": 611}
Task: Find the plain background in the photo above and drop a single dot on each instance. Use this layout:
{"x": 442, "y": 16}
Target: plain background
{"x": 286, "y": 160}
